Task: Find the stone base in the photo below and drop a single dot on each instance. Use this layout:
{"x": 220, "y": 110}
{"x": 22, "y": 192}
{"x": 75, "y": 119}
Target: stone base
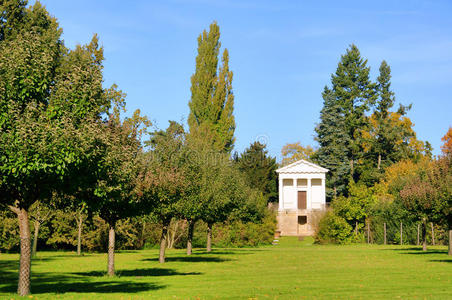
{"x": 294, "y": 223}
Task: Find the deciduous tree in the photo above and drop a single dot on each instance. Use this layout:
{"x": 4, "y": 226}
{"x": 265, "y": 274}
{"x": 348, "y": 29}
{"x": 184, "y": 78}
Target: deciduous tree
{"x": 447, "y": 139}
{"x": 292, "y": 152}
{"x": 212, "y": 100}
{"x": 162, "y": 180}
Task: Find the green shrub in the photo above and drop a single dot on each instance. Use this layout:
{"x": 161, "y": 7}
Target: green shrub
{"x": 9, "y": 232}
{"x": 240, "y": 234}
{"x": 333, "y": 229}
{"x": 231, "y": 234}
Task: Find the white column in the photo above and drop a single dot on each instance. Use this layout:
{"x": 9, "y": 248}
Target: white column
{"x": 309, "y": 195}
{"x": 323, "y": 192}
{"x": 281, "y": 198}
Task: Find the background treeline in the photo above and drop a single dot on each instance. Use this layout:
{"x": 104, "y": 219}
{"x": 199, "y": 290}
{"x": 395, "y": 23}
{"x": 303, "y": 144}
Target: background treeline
{"x": 59, "y": 231}
{"x": 380, "y": 174}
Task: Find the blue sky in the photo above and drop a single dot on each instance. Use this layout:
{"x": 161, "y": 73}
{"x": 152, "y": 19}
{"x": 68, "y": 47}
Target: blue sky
{"x": 282, "y": 54}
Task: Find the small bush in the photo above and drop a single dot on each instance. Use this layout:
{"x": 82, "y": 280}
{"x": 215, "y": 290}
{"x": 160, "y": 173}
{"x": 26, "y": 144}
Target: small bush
{"x": 249, "y": 234}
{"x": 333, "y": 229}
{"x": 9, "y": 232}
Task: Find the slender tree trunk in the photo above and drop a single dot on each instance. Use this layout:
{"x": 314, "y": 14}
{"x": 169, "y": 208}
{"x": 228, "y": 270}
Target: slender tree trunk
{"x": 23, "y": 286}
{"x": 424, "y": 235}
{"x": 368, "y": 231}
{"x": 401, "y": 233}
{"x": 352, "y": 169}
{"x": 384, "y": 230}
{"x": 356, "y": 227}
{"x": 163, "y": 241}
{"x": 35, "y": 238}
{"x": 417, "y": 243}
{"x": 191, "y": 227}
{"x": 450, "y": 241}
{"x": 433, "y": 234}
{"x": 79, "y": 234}
{"x": 209, "y": 237}
{"x": 379, "y": 161}
{"x": 111, "y": 251}
{"x": 143, "y": 233}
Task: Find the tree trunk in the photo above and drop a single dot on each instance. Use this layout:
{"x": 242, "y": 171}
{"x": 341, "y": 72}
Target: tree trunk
{"x": 356, "y": 227}
{"x": 379, "y": 161}
{"x": 384, "y": 230}
{"x": 368, "y": 231}
{"x": 191, "y": 227}
{"x": 352, "y": 169}
{"x": 143, "y": 233}
{"x": 23, "y": 286}
{"x": 401, "y": 233}
{"x": 79, "y": 234}
{"x": 209, "y": 237}
{"x": 424, "y": 235}
{"x": 111, "y": 251}
{"x": 417, "y": 243}
{"x": 433, "y": 234}
{"x": 450, "y": 241}
{"x": 35, "y": 238}
{"x": 163, "y": 241}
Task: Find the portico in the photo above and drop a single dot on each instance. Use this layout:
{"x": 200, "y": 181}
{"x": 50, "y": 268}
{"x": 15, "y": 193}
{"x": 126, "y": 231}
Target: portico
{"x": 301, "y": 193}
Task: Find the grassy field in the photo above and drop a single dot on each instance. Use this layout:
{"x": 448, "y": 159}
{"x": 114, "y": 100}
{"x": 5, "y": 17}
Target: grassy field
{"x": 292, "y": 269}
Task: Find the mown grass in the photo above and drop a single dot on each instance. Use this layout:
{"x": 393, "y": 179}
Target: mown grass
{"x": 292, "y": 269}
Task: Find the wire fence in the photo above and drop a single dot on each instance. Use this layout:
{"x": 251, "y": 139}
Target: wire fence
{"x": 402, "y": 232}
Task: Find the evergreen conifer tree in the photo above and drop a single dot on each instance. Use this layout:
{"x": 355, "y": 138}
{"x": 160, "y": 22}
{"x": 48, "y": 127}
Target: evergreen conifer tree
{"x": 259, "y": 170}
{"x": 355, "y": 93}
{"x": 333, "y": 140}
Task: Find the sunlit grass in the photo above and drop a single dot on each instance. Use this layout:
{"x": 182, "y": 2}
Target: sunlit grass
{"x": 292, "y": 269}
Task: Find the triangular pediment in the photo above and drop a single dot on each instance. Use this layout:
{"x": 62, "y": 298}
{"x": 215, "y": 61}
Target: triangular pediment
{"x": 302, "y": 166}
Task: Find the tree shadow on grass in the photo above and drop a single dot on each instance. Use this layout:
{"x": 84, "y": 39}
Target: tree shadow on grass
{"x": 8, "y": 271}
{"x": 402, "y": 249}
{"x": 139, "y": 273}
{"x": 49, "y": 282}
{"x": 225, "y": 252}
{"x": 44, "y": 283}
{"x": 420, "y": 252}
{"x": 94, "y": 287}
{"x": 191, "y": 259}
{"x": 442, "y": 260}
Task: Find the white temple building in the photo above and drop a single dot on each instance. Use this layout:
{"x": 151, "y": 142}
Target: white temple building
{"x": 301, "y": 195}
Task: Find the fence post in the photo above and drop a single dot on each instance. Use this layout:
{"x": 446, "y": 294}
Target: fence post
{"x": 401, "y": 234}
{"x": 433, "y": 235}
{"x": 384, "y": 230}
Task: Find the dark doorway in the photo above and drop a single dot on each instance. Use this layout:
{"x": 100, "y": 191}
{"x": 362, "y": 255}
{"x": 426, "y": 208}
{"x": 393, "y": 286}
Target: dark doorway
{"x": 302, "y": 225}
{"x": 302, "y": 220}
{"x": 301, "y": 199}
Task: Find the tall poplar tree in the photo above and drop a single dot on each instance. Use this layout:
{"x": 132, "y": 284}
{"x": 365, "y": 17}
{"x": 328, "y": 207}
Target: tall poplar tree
{"x": 212, "y": 99}
{"x": 211, "y": 105}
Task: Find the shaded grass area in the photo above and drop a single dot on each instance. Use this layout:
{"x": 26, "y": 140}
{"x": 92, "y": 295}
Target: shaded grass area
{"x": 292, "y": 269}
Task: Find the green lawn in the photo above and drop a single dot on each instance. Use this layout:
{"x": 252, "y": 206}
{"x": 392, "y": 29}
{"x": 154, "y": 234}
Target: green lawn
{"x": 292, "y": 269}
